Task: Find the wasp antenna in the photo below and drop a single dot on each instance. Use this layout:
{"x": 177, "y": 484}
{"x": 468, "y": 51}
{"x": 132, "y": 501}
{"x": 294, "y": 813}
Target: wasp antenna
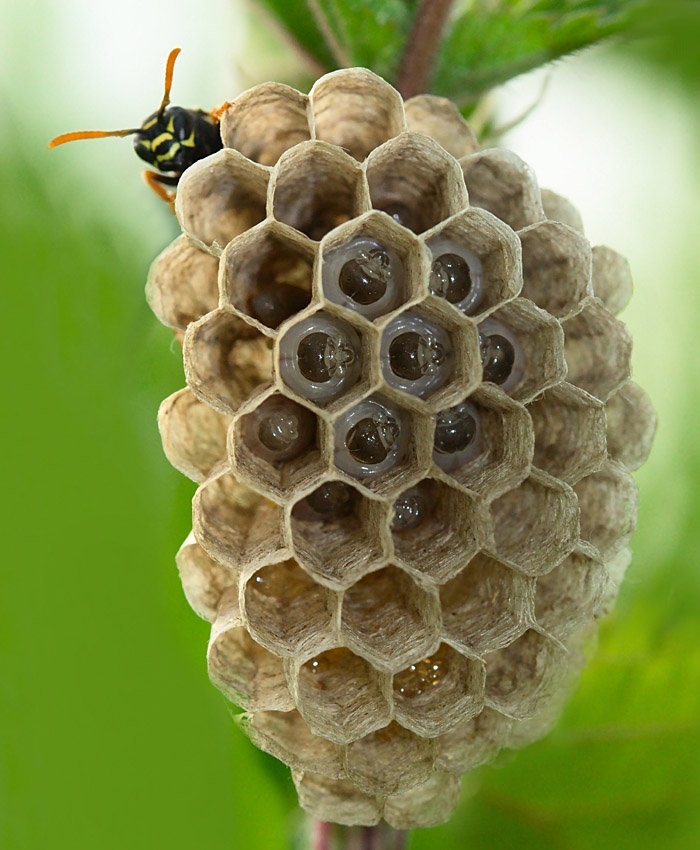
{"x": 89, "y": 134}
{"x": 169, "y": 66}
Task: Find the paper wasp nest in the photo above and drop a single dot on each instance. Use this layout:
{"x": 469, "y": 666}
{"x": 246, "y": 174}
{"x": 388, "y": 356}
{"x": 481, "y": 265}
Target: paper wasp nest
{"x": 410, "y": 416}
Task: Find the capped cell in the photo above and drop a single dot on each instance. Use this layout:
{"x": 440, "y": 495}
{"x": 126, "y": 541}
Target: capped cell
{"x": 316, "y": 187}
{"x": 415, "y": 181}
{"x": 356, "y": 110}
{"x": 439, "y": 118}
{"x": 265, "y": 121}
{"x": 473, "y": 742}
{"x": 487, "y": 606}
{"x": 428, "y": 804}
{"x": 339, "y": 801}
{"x": 220, "y": 197}
{"x": 225, "y": 360}
{"x": 558, "y": 208}
{"x": 437, "y": 529}
{"x": 267, "y": 273}
{"x": 612, "y": 278}
{"x": 435, "y": 693}
{"x": 337, "y": 533}
{"x": 341, "y": 696}
{"x": 286, "y": 611}
{"x": 476, "y": 262}
{"x": 631, "y": 425}
{"x": 204, "y": 580}
{"x": 609, "y": 501}
{"x": 387, "y": 618}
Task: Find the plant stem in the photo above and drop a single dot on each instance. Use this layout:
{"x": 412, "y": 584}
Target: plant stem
{"x": 327, "y": 836}
{"x": 322, "y": 22}
{"x": 421, "y": 48}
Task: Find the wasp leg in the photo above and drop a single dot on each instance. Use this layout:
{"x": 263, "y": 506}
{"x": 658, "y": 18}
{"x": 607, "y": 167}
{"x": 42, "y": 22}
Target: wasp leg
{"x": 219, "y": 111}
{"x": 155, "y": 182}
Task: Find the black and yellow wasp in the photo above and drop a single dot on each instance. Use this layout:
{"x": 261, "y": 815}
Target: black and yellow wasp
{"x": 170, "y": 139}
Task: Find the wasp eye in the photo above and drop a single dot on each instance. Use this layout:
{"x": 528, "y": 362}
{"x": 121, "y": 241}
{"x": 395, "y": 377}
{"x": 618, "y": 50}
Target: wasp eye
{"x": 280, "y": 429}
{"x": 451, "y": 278}
{"x": 413, "y": 507}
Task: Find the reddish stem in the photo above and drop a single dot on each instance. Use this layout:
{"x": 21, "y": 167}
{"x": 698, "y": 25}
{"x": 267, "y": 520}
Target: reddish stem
{"x": 322, "y": 832}
{"x": 421, "y": 49}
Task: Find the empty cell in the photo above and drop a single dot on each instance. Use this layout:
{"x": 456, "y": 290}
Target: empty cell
{"x": 390, "y": 761}
{"x": 608, "y": 501}
{"x": 437, "y": 529}
{"x": 356, "y": 110}
{"x": 523, "y": 678}
{"x": 557, "y": 264}
{"x": 336, "y": 533}
{"x": 267, "y": 273}
{"x": 182, "y": 284}
{"x": 536, "y": 525}
{"x": 476, "y": 262}
{"x": 598, "y": 350}
{"x": 265, "y": 121}
{"x": 225, "y": 360}
{"x": 570, "y": 440}
{"x": 416, "y": 354}
{"x": 558, "y": 208}
{"x": 287, "y": 737}
{"x": 473, "y": 743}
{"x": 415, "y": 181}
{"x": 631, "y": 424}
{"x": 428, "y": 804}
{"x": 439, "y": 118}
{"x": 317, "y": 187}
{"x": 571, "y": 595}
{"x": 286, "y": 610}
{"x": 612, "y": 278}
{"x": 500, "y": 182}
{"x": 341, "y": 696}
{"x": 486, "y": 606}
{"x": 204, "y": 580}
{"x": 220, "y": 197}
{"x": 388, "y": 618}
{"x": 338, "y": 801}
{"x": 434, "y": 694}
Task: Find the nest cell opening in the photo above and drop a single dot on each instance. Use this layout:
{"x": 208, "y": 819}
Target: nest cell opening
{"x": 609, "y": 502}
{"x": 473, "y": 743}
{"x": 204, "y": 580}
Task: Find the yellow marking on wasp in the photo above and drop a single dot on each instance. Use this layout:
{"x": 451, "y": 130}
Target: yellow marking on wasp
{"x": 189, "y": 141}
{"x": 164, "y": 137}
{"x": 145, "y": 143}
{"x": 171, "y": 151}
{"x": 171, "y": 125}
{"x": 150, "y": 123}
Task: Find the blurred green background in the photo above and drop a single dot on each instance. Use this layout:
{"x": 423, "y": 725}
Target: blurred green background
{"x": 112, "y": 735}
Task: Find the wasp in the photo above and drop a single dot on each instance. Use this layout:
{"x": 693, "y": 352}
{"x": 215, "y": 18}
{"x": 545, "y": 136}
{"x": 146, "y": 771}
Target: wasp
{"x": 170, "y": 139}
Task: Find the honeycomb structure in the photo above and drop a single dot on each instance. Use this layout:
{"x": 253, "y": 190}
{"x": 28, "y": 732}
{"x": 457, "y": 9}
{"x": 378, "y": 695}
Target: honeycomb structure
{"x": 409, "y": 413}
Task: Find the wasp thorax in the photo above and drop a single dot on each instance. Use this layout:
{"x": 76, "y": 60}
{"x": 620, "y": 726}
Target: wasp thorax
{"x": 455, "y": 429}
{"x": 370, "y": 440}
{"x": 280, "y": 429}
{"x": 497, "y": 357}
{"x": 451, "y": 278}
{"x": 365, "y": 278}
{"x": 413, "y": 507}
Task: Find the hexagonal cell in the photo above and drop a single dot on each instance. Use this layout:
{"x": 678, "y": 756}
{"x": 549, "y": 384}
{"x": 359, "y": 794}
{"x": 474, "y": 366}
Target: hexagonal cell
{"x": 500, "y": 182}
{"x": 476, "y": 261}
{"x": 341, "y": 697}
{"x": 429, "y": 804}
{"x": 267, "y": 273}
{"x": 536, "y": 525}
{"x": 337, "y": 801}
{"x": 286, "y": 611}
{"x": 569, "y": 428}
{"x": 414, "y": 180}
{"x": 531, "y": 358}
{"x": 193, "y": 434}
{"x": 612, "y": 278}
{"x": 570, "y": 596}
{"x": 265, "y": 121}
{"x": 220, "y": 197}
{"x": 390, "y": 761}
{"x": 597, "y": 350}
{"x": 472, "y": 743}
{"x": 275, "y": 445}
{"x": 631, "y": 425}
{"x": 371, "y": 265}
{"x": 523, "y": 678}
{"x": 486, "y": 606}
{"x": 204, "y": 580}
{"x": 182, "y": 284}
{"x": 439, "y": 118}
{"x": 337, "y": 534}
{"x": 225, "y": 360}
{"x": 498, "y": 456}
{"x": 380, "y": 444}
{"x": 236, "y": 526}
{"x": 325, "y": 360}
{"x": 608, "y": 501}
{"x": 387, "y": 618}
{"x": 437, "y": 529}
{"x": 287, "y": 737}
{"x": 434, "y": 694}
{"x": 316, "y": 188}
{"x": 558, "y": 208}
{"x": 557, "y": 264}
{"x": 247, "y": 674}
{"x": 356, "y": 110}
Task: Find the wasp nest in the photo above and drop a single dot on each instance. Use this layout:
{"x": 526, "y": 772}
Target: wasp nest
{"x": 410, "y": 416}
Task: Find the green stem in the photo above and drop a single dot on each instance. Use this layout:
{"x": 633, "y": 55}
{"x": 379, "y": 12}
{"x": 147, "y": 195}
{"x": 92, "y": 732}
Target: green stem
{"x": 422, "y": 46}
